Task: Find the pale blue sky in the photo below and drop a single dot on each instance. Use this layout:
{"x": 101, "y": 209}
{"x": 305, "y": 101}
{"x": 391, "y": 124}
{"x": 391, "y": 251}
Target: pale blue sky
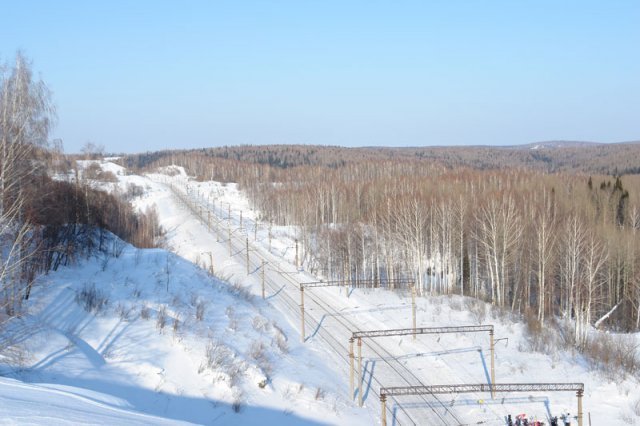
{"x": 146, "y": 75}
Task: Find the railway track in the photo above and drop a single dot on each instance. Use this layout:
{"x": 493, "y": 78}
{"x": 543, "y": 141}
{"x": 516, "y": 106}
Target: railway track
{"x": 429, "y": 409}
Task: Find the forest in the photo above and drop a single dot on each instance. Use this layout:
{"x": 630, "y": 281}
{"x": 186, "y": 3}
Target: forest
{"x": 50, "y": 214}
{"x": 550, "y": 246}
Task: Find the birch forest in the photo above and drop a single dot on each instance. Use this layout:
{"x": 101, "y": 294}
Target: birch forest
{"x": 546, "y": 245}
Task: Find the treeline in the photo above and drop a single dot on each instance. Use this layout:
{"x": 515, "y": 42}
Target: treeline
{"x": 554, "y": 245}
{"x": 45, "y": 222}
{"x": 545, "y": 245}
{"x": 572, "y": 157}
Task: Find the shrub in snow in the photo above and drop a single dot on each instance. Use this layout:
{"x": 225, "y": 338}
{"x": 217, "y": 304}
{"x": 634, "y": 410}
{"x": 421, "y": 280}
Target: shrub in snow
{"x": 217, "y": 355}
{"x": 161, "y": 319}
{"x": 477, "y": 309}
{"x": 91, "y": 299}
{"x": 176, "y": 301}
{"x": 237, "y": 400}
{"x": 200, "y": 308}
{"x": 133, "y": 191}
{"x": 124, "y": 313}
{"x": 176, "y": 326}
{"x": 145, "y": 312}
{"x": 117, "y": 247}
{"x": 242, "y": 292}
{"x": 281, "y": 343}
{"x": 256, "y": 352}
{"x": 613, "y": 355}
{"x": 540, "y": 339}
{"x": 260, "y": 323}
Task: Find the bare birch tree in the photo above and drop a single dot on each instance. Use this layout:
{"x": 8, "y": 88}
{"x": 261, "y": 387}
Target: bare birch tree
{"x": 499, "y": 231}
{"x": 545, "y": 239}
{"x": 25, "y": 119}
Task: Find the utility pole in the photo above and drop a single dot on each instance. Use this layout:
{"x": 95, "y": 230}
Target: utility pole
{"x": 247, "y": 255}
{"x": 229, "y": 229}
{"x": 209, "y": 220}
{"x": 262, "y": 275}
{"x": 255, "y": 230}
{"x": 579, "y": 395}
{"x": 413, "y": 309}
{"x": 302, "y": 314}
{"x": 270, "y": 226}
{"x": 493, "y": 374}
{"x": 383, "y": 414}
{"x": 360, "y": 371}
{"x": 297, "y": 254}
{"x": 351, "y": 367}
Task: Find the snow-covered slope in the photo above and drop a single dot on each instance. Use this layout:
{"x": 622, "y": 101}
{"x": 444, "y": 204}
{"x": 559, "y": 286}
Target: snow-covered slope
{"x": 217, "y": 351}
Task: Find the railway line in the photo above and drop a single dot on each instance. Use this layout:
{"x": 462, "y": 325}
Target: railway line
{"x": 278, "y": 278}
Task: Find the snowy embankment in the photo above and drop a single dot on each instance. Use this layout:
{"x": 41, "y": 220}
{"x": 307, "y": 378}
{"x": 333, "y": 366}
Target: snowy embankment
{"x": 118, "y": 365}
{"x": 146, "y": 337}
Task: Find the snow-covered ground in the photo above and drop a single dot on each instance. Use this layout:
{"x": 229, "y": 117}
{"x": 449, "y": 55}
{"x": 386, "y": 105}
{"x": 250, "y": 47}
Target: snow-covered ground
{"x": 117, "y": 367}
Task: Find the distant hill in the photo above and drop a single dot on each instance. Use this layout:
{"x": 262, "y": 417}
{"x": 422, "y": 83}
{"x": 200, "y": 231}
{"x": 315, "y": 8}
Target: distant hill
{"x": 556, "y": 145}
{"x": 549, "y": 156}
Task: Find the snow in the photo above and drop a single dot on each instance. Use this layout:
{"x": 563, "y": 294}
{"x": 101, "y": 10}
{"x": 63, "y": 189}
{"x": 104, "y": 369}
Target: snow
{"x": 118, "y": 359}
{"x": 116, "y": 367}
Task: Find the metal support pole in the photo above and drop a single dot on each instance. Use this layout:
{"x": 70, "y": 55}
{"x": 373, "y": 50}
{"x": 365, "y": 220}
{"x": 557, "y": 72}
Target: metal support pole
{"x": 360, "y": 371}
{"x": 383, "y": 414}
{"x": 229, "y": 229}
{"x": 209, "y": 220}
{"x": 270, "y": 225}
{"x": 351, "y": 368}
{"x": 302, "y": 314}
{"x": 229, "y": 213}
{"x": 493, "y": 363}
{"x": 579, "y": 395}
{"x": 262, "y": 274}
{"x": 247, "y": 255}
{"x": 211, "y": 263}
{"x": 297, "y": 254}
{"x": 255, "y": 230}
{"x": 413, "y": 309}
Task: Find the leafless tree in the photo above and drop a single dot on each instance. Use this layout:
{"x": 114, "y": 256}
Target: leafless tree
{"x": 500, "y": 230}
{"x": 26, "y": 115}
{"x": 545, "y": 239}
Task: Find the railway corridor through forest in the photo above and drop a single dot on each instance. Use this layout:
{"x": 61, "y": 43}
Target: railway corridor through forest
{"x": 330, "y": 318}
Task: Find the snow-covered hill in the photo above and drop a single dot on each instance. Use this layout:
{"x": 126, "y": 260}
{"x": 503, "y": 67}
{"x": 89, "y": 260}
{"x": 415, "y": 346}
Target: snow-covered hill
{"x": 150, "y": 333}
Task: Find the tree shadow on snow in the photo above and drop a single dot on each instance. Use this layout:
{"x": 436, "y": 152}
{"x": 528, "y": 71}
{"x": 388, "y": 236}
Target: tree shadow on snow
{"x": 180, "y": 407}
